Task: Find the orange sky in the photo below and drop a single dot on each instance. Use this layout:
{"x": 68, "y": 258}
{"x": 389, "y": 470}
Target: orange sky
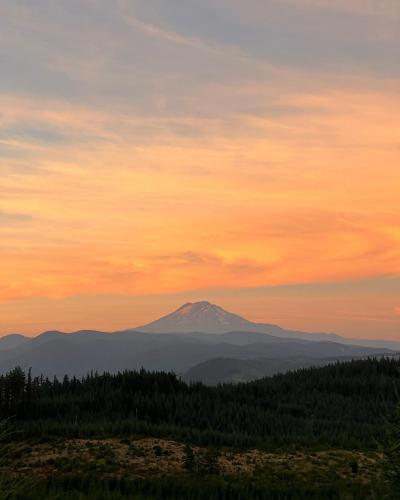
{"x": 132, "y": 180}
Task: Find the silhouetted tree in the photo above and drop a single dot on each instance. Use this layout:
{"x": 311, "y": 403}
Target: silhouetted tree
{"x": 189, "y": 459}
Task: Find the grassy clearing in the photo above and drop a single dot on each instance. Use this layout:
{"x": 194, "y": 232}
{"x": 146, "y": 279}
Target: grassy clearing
{"x": 152, "y": 457}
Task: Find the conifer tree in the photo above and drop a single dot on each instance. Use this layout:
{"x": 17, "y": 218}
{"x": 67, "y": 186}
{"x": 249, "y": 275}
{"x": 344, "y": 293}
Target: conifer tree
{"x": 189, "y": 459}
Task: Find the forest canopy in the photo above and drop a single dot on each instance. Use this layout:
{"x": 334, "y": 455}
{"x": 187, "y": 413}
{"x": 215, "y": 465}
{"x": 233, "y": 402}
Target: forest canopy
{"x": 339, "y": 405}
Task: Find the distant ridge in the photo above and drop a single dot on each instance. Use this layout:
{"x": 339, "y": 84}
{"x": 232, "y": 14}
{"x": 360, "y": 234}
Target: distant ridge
{"x": 199, "y": 341}
{"x": 206, "y": 318}
{"x": 11, "y": 341}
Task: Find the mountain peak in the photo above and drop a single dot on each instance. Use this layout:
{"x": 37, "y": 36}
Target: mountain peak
{"x": 201, "y": 309}
{"x": 198, "y": 317}
{"x": 191, "y": 308}
{"x": 189, "y": 305}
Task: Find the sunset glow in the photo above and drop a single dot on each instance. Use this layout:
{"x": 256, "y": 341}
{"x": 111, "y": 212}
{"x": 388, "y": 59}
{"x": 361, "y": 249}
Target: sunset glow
{"x": 170, "y": 154}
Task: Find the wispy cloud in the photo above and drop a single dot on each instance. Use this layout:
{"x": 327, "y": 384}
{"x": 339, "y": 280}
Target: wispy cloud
{"x": 144, "y": 152}
{"x": 387, "y": 8}
{"x": 7, "y": 218}
{"x": 223, "y": 52}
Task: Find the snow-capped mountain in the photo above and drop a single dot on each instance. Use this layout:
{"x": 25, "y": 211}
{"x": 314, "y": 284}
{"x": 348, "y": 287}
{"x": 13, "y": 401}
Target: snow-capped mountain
{"x": 199, "y": 317}
{"x": 204, "y": 317}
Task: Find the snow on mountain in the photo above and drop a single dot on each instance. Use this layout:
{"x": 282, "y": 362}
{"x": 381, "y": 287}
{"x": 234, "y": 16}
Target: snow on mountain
{"x": 200, "y": 317}
{"x": 204, "y": 317}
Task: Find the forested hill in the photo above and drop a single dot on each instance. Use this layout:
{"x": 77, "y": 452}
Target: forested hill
{"x": 340, "y": 405}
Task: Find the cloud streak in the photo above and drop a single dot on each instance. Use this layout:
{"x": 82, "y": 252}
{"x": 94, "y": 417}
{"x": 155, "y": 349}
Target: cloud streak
{"x": 386, "y": 8}
{"x": 151, "y": 155}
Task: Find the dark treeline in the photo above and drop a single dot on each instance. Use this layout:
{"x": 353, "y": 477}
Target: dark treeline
{"x": 340, "y": 405}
